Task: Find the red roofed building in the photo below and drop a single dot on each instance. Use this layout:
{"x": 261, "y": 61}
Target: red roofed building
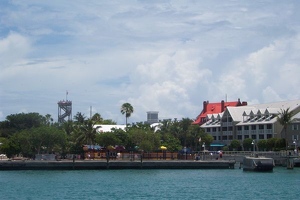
{"x": 215, "y": 108}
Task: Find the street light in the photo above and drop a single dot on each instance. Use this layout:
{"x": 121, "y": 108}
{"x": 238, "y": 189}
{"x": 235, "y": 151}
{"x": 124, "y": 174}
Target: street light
{"x": 185, "y": 152}
{"x": 203, "y": 145}
{"x": 295, "y": 143}
{"x": 253, "y": 143}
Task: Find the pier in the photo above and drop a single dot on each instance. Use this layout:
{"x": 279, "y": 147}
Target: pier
{"x": 113, "y": 164}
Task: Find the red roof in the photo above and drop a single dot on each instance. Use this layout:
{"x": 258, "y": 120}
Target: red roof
{"x": 215, "y": 108}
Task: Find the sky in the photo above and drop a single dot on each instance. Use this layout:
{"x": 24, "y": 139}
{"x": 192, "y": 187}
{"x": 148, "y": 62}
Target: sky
{"x": 165, "y": 56}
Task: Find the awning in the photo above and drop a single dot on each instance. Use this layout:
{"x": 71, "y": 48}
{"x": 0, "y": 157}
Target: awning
{"x": 217, "y": 145}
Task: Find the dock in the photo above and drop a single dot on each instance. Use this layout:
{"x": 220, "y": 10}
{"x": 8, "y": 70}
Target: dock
{"x": 113, "y": 164}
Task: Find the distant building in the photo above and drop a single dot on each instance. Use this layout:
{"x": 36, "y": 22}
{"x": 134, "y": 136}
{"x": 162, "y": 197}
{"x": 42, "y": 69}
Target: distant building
{"x": 152, "y": 117}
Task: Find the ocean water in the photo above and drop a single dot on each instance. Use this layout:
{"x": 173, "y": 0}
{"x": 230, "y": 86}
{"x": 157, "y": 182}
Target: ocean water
{"x": 150, "y": 184}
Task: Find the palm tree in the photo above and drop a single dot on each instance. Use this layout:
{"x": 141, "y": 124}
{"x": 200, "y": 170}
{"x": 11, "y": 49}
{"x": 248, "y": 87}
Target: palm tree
{"x": 79, "y": 118}
{"x": 126, "y": 109}
{"x": 284, "y": 117}
{"x": 86, "y": 133}
{"x": 97, "y": 118}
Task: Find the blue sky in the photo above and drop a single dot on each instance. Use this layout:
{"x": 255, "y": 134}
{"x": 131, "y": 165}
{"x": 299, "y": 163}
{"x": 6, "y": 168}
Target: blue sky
{"x": 166, "y": 56}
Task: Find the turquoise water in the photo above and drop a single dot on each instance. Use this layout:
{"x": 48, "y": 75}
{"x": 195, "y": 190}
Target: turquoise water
{"x": 150, "y": 184}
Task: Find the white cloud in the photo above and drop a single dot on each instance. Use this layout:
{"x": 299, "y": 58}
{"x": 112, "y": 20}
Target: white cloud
{"x": 167, "y": 57}
{"x": 13, "y": 48}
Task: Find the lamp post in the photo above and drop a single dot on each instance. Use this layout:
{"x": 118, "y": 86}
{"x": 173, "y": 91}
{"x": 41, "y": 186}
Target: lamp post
{"x": 184, "y": 150}
{"x": 295, "y": 143}
{"x": 203, "y": 145}
{"x": 253, "y": 143}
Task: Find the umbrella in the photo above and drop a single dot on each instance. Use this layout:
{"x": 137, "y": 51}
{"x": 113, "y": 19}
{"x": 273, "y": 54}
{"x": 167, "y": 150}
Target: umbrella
{"x": 163, "y": 148}
{"x": 110, "y": 147}
{"x": 120, "y": 148}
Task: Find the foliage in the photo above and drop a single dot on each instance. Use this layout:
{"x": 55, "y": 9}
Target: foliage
{"x": 284, "y": 117}
{"x": 271, "y": 143}
{"x": 247, "y": 144}
{"x": 280, "y": 143}
{"x": 235, "y": 144}
{"x": 172, "y": 143}
{"x": 22, "y": 121}
{"x": 85, "y": 133}
{"x": 79, "y": 118}
{"x": 262, "y": 145}
{"x": 107, "y": 139}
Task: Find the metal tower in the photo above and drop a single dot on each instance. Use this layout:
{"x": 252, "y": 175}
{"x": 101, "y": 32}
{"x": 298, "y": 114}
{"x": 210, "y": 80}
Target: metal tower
{"x": 64, "y": 110}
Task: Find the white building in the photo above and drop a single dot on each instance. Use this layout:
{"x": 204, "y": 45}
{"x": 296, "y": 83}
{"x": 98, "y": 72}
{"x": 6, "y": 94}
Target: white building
{"x": 252, "y": 121}
{"x": 101, "y": 128}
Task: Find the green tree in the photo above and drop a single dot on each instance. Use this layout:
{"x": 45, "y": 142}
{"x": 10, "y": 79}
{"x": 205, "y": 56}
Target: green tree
{"x": 48, "y": 120}
{"x": 172, "y": 143}
{"x": 247, "y": 144}
{"x": 79, "y": 118}
{"x": 127, "y": 109}
{"x": 235, "y": 144}
{"x": 97, "y": 118}
{"x": 284, "y": 117}
{"x": 107, "y": 139}
{"x": 262, "y": 144}
{"x": 21, "y": 121}
{"x": 271, "y": 143}
{"x": 280, "y": 143}
{"x": 86, "y": 133}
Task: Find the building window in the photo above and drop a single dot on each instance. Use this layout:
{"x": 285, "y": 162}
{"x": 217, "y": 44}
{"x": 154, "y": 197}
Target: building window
{"x": 224, "y": 128}
{"x": 230, "y": 137}
{"x": 224, "y": 137}
{"x": 261, "y": 136}
{"x": 261, "y": 127}
{"x": 253, "y": 127}
{"x": 246, "y": 136}
{"x": 246, "y": 127}
{"x": 239, "y": 137}
{"x": 269, "y": 126}
{"x": 269, "y": 136}
{"x": 295, "y": 137}
{"x": 253, "y": 137}
{"x": 214, "y": 129}
{"x": 230, "y": 128}
{"x": 215, "y": 138}
{"x": 208, "y": 130}
{"x": 294, "y": 127}
{"x": 239, "y": 128}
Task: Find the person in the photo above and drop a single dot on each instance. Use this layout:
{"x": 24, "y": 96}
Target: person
{"x": 221, "y": 154}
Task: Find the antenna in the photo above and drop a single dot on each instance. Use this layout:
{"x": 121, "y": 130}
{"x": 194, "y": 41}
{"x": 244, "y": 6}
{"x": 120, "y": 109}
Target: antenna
{"x": 90, "y": 112}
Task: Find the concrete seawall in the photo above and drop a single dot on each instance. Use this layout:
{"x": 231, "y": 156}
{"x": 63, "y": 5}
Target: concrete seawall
{"x": 94, "y": 164}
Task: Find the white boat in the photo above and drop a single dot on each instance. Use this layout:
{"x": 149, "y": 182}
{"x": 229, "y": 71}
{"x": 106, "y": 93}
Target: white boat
{"x": 260, "y": 164}
{"x": 297, "y": 162}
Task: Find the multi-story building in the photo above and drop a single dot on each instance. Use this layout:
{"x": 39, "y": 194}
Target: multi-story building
{"x": 256, "y": 122}
{"x": 215, "y": 108}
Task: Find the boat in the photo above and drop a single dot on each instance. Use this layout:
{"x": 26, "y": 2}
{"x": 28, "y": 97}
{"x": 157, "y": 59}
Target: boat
{"x": 297, "y": 162}
{"x": 259, "y": 164}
